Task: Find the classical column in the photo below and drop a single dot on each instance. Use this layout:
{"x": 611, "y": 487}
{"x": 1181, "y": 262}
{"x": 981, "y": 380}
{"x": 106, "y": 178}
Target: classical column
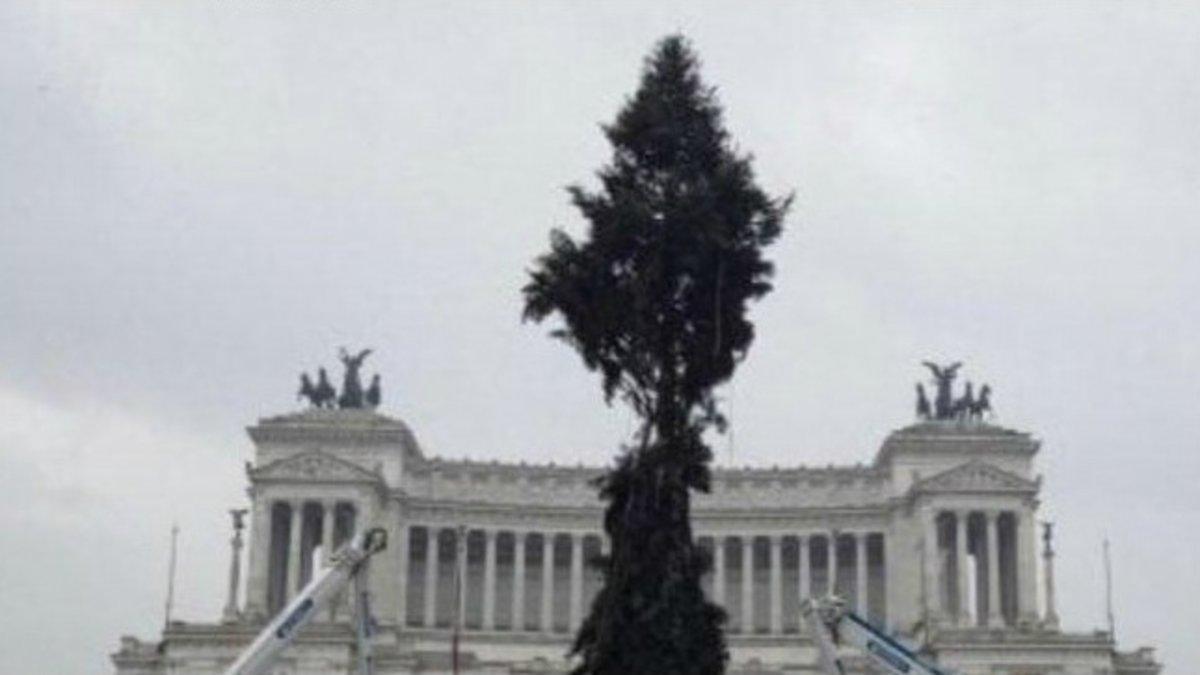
{"x": 327, "y": 511}
{"x": 460, "y": 565}
{"x": 431, "y": 576}
{"x": 961, "y": 518}
{"x": 802, "y": 543}
{"x": 258, "y": 583}
{"x": 489, "y": 580}
{"x": 231, "y": 612}
{"x": 547, "y": 583}
{"x": 294, "y": 537}
{"x": 1051, "y": 620}
{"x": 576, "y": 606}
{"x": 518, "y": 595}
{"x": 1026, "y": 567}
{"x": 886, "y": 619}
{"x": 776, "y": 584}
{"x": 747, "y": 584}
{"x": 718, "y": 588}
{"x": 403, "y": 551}
{"x": 860, "y": 567}
{"x": 831, "y": 560}
{"x": 929, "y": 556}
{"x": 994, "y": 619}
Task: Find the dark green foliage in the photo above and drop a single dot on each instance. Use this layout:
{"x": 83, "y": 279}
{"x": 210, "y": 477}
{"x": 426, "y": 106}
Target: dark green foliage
{"x": 655, "y": 298}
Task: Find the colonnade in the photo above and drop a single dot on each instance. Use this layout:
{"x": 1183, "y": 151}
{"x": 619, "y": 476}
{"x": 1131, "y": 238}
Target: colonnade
{"x": 297, "y": 528}
{"x": 453, "y": 574}
{"x": 509, "y": 580}
{"x": 760, "y": 579}
{"x": 980, "y": 566}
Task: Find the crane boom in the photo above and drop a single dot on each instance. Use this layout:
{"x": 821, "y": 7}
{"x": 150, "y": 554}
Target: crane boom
{"x": 832, "y": 624}
{"x": 348, "y": 565}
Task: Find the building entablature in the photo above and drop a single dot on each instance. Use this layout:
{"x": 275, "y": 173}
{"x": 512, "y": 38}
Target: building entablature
{"x": 534, "y": 485}
{"x": 758, "y": 521}
{"x": 480, "y": 516}
{"x": 335, "y": 427}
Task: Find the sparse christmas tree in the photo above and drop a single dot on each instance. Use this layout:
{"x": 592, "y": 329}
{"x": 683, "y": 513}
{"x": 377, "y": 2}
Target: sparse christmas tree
{"x": 655, "y": 299}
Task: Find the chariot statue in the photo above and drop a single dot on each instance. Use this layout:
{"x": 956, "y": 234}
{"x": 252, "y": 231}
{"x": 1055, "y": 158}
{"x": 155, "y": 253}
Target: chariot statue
{"x": 323, "y": 395}
{"x": 946, "y": 407}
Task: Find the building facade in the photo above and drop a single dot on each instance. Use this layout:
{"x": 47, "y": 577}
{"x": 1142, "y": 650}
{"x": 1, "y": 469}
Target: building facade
{"x": 936, "y": 540}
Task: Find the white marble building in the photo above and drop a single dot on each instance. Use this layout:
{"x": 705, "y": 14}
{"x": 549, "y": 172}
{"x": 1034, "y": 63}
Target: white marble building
{"x": 935, "y": 539}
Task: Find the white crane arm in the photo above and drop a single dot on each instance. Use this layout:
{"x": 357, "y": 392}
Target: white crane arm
{"x": 348, "y": 564}
{"x": 832, "y": 625}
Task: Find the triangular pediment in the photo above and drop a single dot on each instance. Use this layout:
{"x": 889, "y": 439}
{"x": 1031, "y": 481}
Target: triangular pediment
{"x": 974, "y": 477}
{"x": 314, "y": 466}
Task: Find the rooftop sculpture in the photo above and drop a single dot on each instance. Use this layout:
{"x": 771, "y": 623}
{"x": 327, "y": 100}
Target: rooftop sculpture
{"x": 946, "y": 407}
{"x": 353, "y": 396}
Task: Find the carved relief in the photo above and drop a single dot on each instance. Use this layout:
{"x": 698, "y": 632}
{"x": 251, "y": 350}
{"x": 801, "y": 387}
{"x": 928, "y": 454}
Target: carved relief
{"x": 314, "y": 466}
{"x": 975, "y": 477}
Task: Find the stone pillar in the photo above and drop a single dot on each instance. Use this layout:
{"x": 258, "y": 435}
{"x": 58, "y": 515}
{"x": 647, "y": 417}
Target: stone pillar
{"x": 1051, "y": 619}
{"x": 831, "y": 560}
{"x": 489, "y": 580}
{"x": 994, "y": 619}
{"x": 576, "y": 600}
{"x": 518, "y": 596}
{"x": 403, "y": 551}
{"x": 431, "y": 576}
{"x": 860, "y": 567}
{"x": 231, "y": 612}
{"x": 1027, "y": 609}
{"x": 460, "y": 566}
{"x": 547, "y": 583}
{"x": 294, "y": 537}
{"x": 327, "y": 522}
{"x": 963, "y": 611}
{"x": 803, "y": 584}
{"x": 884, "y": 561}
{"x": 718, "y": 588}
{"x": 748, "y": 584}
{"x": 776, "y": 584}
{"x": 258, "y": 584}
{"x": 929, "y": 562}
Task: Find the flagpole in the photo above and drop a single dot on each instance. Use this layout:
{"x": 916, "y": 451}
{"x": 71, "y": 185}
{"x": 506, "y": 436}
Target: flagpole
{"x": 1112, "y": 628}
{"x": 171, "y": 576}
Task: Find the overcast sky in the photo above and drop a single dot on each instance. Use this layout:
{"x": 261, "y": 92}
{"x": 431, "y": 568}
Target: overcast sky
{"x": 198, "y": 201}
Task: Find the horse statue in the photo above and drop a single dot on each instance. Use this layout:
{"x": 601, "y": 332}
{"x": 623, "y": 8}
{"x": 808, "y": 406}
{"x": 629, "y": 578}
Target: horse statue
{"x": 325, "y": 391}
{"x": 981, "y": 405}
{"x": 923, "y": 410}
{"x": 307, "y": 390}
{"x": 374, "y": 393}
{"x": 964, "y": 404}
{"x": 319, "y": 395}
{"x": 352, "y": 391}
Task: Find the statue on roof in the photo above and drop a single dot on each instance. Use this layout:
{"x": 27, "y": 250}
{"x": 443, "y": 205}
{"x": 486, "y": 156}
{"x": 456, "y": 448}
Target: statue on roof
{"x": 325, "y": 392}
{"x": 307, "y": 390}
{"x": 943, "y": 378}
{"x": 352, "y": 391}
{"x": 374, "y": 393}
{"x": 923, "y": 411}
{"x": 965, "y": 403}
{"x": 323, "y": 395}
{"x": 982, "y": 405}
{"x": 319, "y": 395}
{"x": 947, "y": 407}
